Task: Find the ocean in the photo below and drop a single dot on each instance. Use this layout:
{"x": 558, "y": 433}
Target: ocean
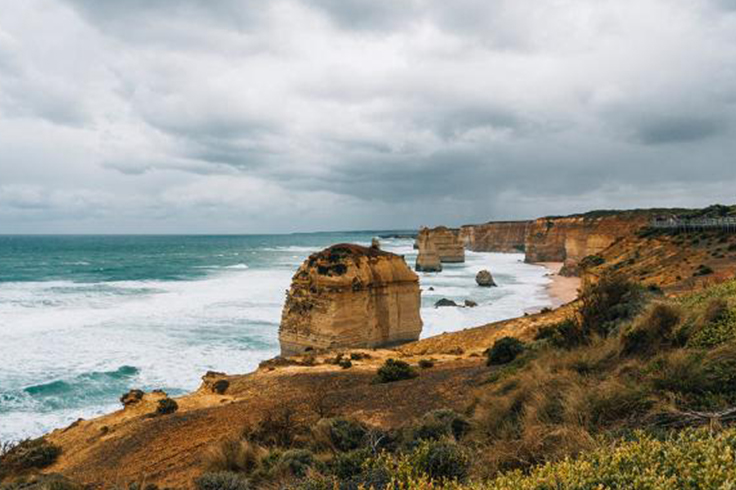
{"x": 83, "y": 319}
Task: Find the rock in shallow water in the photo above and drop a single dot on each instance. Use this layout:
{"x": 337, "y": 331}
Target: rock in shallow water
{"x": 485, "y": 279}
{"x": 445, "y": 302}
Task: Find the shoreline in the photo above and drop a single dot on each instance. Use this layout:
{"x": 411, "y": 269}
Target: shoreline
{"x": 561, "y": 289}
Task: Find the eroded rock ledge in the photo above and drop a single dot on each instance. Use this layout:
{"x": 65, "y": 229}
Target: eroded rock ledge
{"x": 350, "y": 296}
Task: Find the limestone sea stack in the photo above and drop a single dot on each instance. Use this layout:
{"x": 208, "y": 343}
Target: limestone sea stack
{"x": 348, "y": 296}
{"x": 449, "y": 244}
{"x": 428, "y": 258}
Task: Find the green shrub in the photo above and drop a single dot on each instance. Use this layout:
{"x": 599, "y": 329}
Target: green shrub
{"x": 27, "y": 455}
{"x": 166, "y": 406}
{"x": 592, "y": 261}
{"x": 688, "y": 460}
{"x": 504, "y": 351}
{"x": 607, "y": 303}
{"x": 426, "y": 363}
{"x": 564, "y": 335}
{"x": 437, "y": 425}
{"x": 350, "y": 464}
{"x": 340, "y": 434}
{"x": 394, "y": 370}
{"x": 703, "y": 270}
{"x": 345, "y": 363}
{"x": 716, "y": 325}
{"x": 222, "y": 480}
{"x": 441, "y": 460}
{"x": 296, "y": 462}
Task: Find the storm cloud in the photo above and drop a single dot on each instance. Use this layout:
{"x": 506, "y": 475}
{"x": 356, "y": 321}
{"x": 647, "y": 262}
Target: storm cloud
{"x": 244, "y": 116}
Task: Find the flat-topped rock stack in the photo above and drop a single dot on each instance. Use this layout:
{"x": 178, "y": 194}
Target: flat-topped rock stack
{"x": 428, "y": 258}
{"x": 348, "y": 296}
{"x": 441, "y": 241}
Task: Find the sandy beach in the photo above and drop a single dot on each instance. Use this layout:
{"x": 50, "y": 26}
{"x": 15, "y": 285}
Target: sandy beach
{"x": 562, "y": 289}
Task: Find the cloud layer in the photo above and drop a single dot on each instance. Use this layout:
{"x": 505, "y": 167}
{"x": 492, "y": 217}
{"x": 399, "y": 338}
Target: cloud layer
{"x": 245, "y": 116}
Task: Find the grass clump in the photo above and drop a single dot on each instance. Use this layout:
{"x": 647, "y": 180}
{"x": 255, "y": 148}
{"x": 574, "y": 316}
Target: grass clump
{"x": 222, "y": 480}
{"x": 394, "y": 370}
{"x": 653, "y": 331}
{"x": 504, "y": 351}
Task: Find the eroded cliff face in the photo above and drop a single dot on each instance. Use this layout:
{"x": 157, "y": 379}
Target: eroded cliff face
{"x": 500, "y": 236}
{"x": 570, "y": 239}
{"x": 350, "y": 296}
{"x": 428, "y": 258}
{"x": 447, "y": 243}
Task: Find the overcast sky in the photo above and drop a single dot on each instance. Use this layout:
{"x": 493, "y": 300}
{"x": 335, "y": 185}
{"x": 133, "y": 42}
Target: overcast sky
{"x": 249, "y": 116}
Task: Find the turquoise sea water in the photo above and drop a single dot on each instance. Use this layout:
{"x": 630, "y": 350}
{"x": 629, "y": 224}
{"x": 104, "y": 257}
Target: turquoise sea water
{"x": 85, "y": 318}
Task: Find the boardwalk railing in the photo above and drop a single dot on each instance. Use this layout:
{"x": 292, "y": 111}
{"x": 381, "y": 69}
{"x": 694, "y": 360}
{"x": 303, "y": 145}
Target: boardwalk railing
{"x": 725, "y": 224}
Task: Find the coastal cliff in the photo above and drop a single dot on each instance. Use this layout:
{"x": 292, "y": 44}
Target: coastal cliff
{"x": 350, "y": 296}
{"x": 500, "y": 236}
{"x": 571, "y": 239}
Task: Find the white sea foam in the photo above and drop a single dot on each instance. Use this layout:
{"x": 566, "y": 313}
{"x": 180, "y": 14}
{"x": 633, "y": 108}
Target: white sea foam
{"x": 174, "y": 331}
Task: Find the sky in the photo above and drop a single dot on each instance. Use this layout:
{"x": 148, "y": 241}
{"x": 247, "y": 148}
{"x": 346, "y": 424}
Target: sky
{"x": 255, "y": 116}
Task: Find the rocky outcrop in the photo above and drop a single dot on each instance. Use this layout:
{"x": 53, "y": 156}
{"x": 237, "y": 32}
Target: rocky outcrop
{"x": 570, "y": 239}
{"x": 484, "y": 279}
{"x": 500, "y": 236}
{"x": 350, "y": 296}
{"x": 428, "y": 258}
{"x": 446, "y": 241}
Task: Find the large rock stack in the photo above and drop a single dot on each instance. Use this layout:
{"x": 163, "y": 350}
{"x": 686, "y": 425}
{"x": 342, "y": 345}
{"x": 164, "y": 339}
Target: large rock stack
{"x": 350, "y": 296}
{"x": 440, "y": 241}
{"x": 428, "y": 258}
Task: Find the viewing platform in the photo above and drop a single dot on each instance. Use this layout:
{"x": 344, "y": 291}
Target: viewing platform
{"x": 699, "y": 224}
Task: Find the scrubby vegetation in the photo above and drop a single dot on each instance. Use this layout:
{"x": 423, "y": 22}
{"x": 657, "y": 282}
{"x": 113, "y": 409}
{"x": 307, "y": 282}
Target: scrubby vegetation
{"x": 31, "y": 454}
{"x": 688, "y": 460}
{"x": 504, "y": 351}
{"x": 166, "y": 406}
{"x": 394, "y": 370}
{"x": 609, "y": 398}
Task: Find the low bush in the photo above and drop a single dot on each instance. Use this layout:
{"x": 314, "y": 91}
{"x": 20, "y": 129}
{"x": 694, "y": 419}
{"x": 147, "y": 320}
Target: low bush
{"x": 339, "y": 434}
{"x": 426, "y": 363}
{"x": 30, "y": 454}
{"x": 703, "y": 270}
{"x": 504, "y": 351}
{"x": 345, "y": 363}
{"x": 438, "y": 425}
{"x": 296, "y": 462}
{"x": 564, "y": 335}
{"x": 222, "y": 480}
{"x": 278, "y": 428}
{"x": 441, "y": 460}
{"x": 394, "y": 370}
{"x": 690, "y": 459}
{"x": 351, "y": 464}
{"x": 166, "y": 406}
